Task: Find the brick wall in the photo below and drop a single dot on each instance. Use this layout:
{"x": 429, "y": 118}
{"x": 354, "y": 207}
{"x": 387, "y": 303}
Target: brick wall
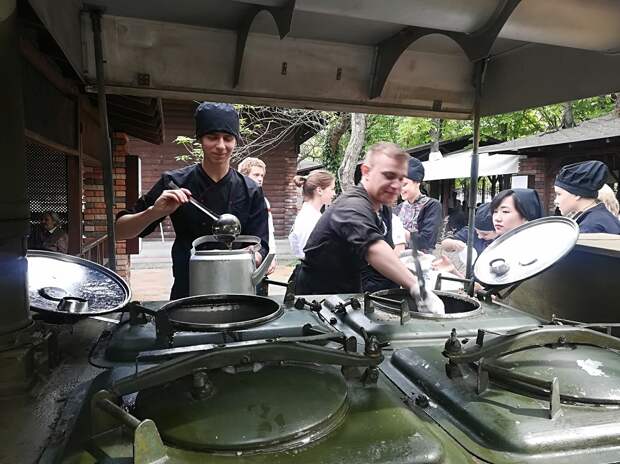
{"x": 539, "y": 167}
{"x": 94, "y": 203}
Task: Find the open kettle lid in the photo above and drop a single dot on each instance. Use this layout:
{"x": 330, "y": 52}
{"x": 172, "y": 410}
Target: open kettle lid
{"x": 73, "y": 287}
{"x": 526, "y": 251}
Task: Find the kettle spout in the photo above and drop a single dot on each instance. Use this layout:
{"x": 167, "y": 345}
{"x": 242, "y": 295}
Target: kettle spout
{"x": 259, "y": 273}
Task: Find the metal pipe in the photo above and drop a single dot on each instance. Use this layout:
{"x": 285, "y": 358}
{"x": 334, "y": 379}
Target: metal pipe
{"x": 473, "y": 182}
{"x": 118, "y": 413}
{"x": 108, "y": 183}
{"x": 14, "y": 208}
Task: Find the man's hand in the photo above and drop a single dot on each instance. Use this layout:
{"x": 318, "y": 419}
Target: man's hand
{"x": 430, "y": 303}
{"x": 272, "y": 266}
{"x": 170, "y": 200}
{"x": 443, "y": 264}
{"x": 451, "y": 245}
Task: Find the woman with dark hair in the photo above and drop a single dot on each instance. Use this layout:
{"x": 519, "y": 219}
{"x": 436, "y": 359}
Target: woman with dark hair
{"x": 318, "y": 190}
{"x": 514, "y": 207}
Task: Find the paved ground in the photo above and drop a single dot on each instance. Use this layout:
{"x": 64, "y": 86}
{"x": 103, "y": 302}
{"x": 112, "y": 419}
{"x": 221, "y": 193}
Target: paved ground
{"x": 151, "y": 270}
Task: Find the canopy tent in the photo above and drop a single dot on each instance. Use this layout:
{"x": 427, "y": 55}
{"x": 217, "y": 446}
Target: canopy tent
{"x": 458, "y": 166}
{"x": 440, "y": 58}
{"x": 410, "y": 57}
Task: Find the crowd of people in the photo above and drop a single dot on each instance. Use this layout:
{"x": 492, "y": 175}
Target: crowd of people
{"x": 351, "y": 244}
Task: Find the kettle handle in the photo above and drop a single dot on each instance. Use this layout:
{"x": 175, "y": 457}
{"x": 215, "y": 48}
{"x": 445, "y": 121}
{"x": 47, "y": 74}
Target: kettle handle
{"x": 259, "y": 273}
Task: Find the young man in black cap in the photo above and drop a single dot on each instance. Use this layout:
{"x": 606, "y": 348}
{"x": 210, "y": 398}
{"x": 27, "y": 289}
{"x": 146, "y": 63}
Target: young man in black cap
{"x": 213, "y": 183}
{"x": 576, "y": 193}
{"x": 351, "y": 234}
{"x": 420, "y": 214}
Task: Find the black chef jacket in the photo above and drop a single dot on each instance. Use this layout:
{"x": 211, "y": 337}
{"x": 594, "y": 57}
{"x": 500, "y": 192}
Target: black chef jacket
{"x": 335, "y": 253}
{"x": 598, "y": 219}
{"x": 373, "y": 280}
{"x": 234, "y": 193}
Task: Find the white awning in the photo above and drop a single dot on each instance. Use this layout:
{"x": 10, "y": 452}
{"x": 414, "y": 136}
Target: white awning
{"x": 459, "y": 166}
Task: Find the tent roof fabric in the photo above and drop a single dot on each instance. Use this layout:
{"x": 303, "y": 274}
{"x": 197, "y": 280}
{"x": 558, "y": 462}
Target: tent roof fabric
{"x": 458, "y": 166}
{"x": 408, "y": 57}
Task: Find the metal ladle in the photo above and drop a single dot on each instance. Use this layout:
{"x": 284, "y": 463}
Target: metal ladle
{"x": 226, "y": 227}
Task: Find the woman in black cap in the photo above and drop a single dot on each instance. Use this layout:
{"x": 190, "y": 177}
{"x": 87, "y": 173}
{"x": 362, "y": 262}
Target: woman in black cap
{"x": 514, "y": 207}
{"x": 420, "y": 214}
{"x": 213, "y": 183}
{"x": 485, "y": 232}
{"x": 576, "y": 195}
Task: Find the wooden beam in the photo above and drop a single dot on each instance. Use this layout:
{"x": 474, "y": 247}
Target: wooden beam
{"x": 41, "y": 63}
{"x": 50, "y": 143}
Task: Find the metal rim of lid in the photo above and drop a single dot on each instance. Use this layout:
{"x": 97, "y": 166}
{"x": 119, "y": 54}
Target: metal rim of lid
{"x": 274, "y": 310}
{"x": 52, "y": 307}
{"x": 520, "y": 257}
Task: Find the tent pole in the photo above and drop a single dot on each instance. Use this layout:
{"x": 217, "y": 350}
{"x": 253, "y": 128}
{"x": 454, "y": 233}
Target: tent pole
{"x": 14, "y": 207}
{"x": 108, "y": 183}
{"x": 473, "y": 183}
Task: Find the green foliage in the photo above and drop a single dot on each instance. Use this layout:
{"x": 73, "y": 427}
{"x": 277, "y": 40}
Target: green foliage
{"x": 193, "y": 150}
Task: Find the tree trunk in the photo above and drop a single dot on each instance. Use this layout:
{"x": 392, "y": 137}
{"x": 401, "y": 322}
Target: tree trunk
{"x": 435, "y": 133}
{"x": 568, "y": 119}
{"x": 346, "y": 171}
{"x": 617, "y": 108}
{"x": 336, "y": 131}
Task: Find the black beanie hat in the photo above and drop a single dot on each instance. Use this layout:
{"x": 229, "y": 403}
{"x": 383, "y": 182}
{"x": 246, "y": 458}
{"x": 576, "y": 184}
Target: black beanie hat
{"x": 216, "y": 117}
{"x": 584, "y": 179}
{"x": 415, "y": 170}
{"x": 484, "y": 218}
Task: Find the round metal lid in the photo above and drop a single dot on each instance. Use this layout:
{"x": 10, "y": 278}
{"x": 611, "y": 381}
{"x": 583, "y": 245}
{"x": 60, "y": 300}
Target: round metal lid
{"x": 221, "y": 312}
{"x": 585, "y": 373}
{"x": 73, "y": 287}
{"x": 277, "y": 407}
{"x": 526, "y": 251}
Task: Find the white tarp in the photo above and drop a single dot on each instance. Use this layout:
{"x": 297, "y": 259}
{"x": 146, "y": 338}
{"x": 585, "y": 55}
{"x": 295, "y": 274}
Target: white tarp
{"x": 458, "y": 166}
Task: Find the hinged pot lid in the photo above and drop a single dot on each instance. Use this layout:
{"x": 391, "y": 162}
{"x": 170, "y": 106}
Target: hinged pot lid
{"x": 73, "y": 287}
{"x": 526, "y": 251}
{"x": 276, "y": 407}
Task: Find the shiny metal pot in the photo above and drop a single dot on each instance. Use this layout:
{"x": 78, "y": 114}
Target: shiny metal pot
{"x": 226, "y": 271}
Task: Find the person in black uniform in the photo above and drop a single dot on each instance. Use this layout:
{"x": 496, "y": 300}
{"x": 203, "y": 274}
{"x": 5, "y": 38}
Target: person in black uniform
{"x": 351, "y": 234}
{"x": 419, "y": 213}
{"x": 485, "y": 232}
{"x": 213, "y": 183}
{"x": 576, "y": 195}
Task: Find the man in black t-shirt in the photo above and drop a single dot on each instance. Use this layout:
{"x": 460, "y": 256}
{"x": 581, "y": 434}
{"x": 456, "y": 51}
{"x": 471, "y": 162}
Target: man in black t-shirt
{"x": 351, "y": 233}
{"x": 213, "y": 183}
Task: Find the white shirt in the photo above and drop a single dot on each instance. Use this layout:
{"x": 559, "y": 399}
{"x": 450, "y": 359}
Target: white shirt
{"x": 272, "y": 238}
{"x": 398, "y": 231}
{"x": 304, "y": 224}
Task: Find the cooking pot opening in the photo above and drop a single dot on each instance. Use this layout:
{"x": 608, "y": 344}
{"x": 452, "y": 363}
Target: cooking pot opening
{"x": 456, "y": 305}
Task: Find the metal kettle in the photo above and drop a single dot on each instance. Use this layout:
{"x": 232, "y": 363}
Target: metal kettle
{"x": 226, "y": 271}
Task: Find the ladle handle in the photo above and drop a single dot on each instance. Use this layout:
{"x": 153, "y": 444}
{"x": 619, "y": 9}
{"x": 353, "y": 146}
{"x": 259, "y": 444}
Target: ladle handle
{"x": 196, "y": 203}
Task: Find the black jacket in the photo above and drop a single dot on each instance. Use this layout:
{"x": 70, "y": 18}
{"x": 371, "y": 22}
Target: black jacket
{"x": 234, "y": 193}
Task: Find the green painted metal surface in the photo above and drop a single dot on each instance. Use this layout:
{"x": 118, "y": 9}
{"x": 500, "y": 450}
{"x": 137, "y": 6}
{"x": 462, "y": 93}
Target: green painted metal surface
{"x": 508, "y": 425}
{"x": 274, "y": 407}
{"x": 379, "y": 428}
